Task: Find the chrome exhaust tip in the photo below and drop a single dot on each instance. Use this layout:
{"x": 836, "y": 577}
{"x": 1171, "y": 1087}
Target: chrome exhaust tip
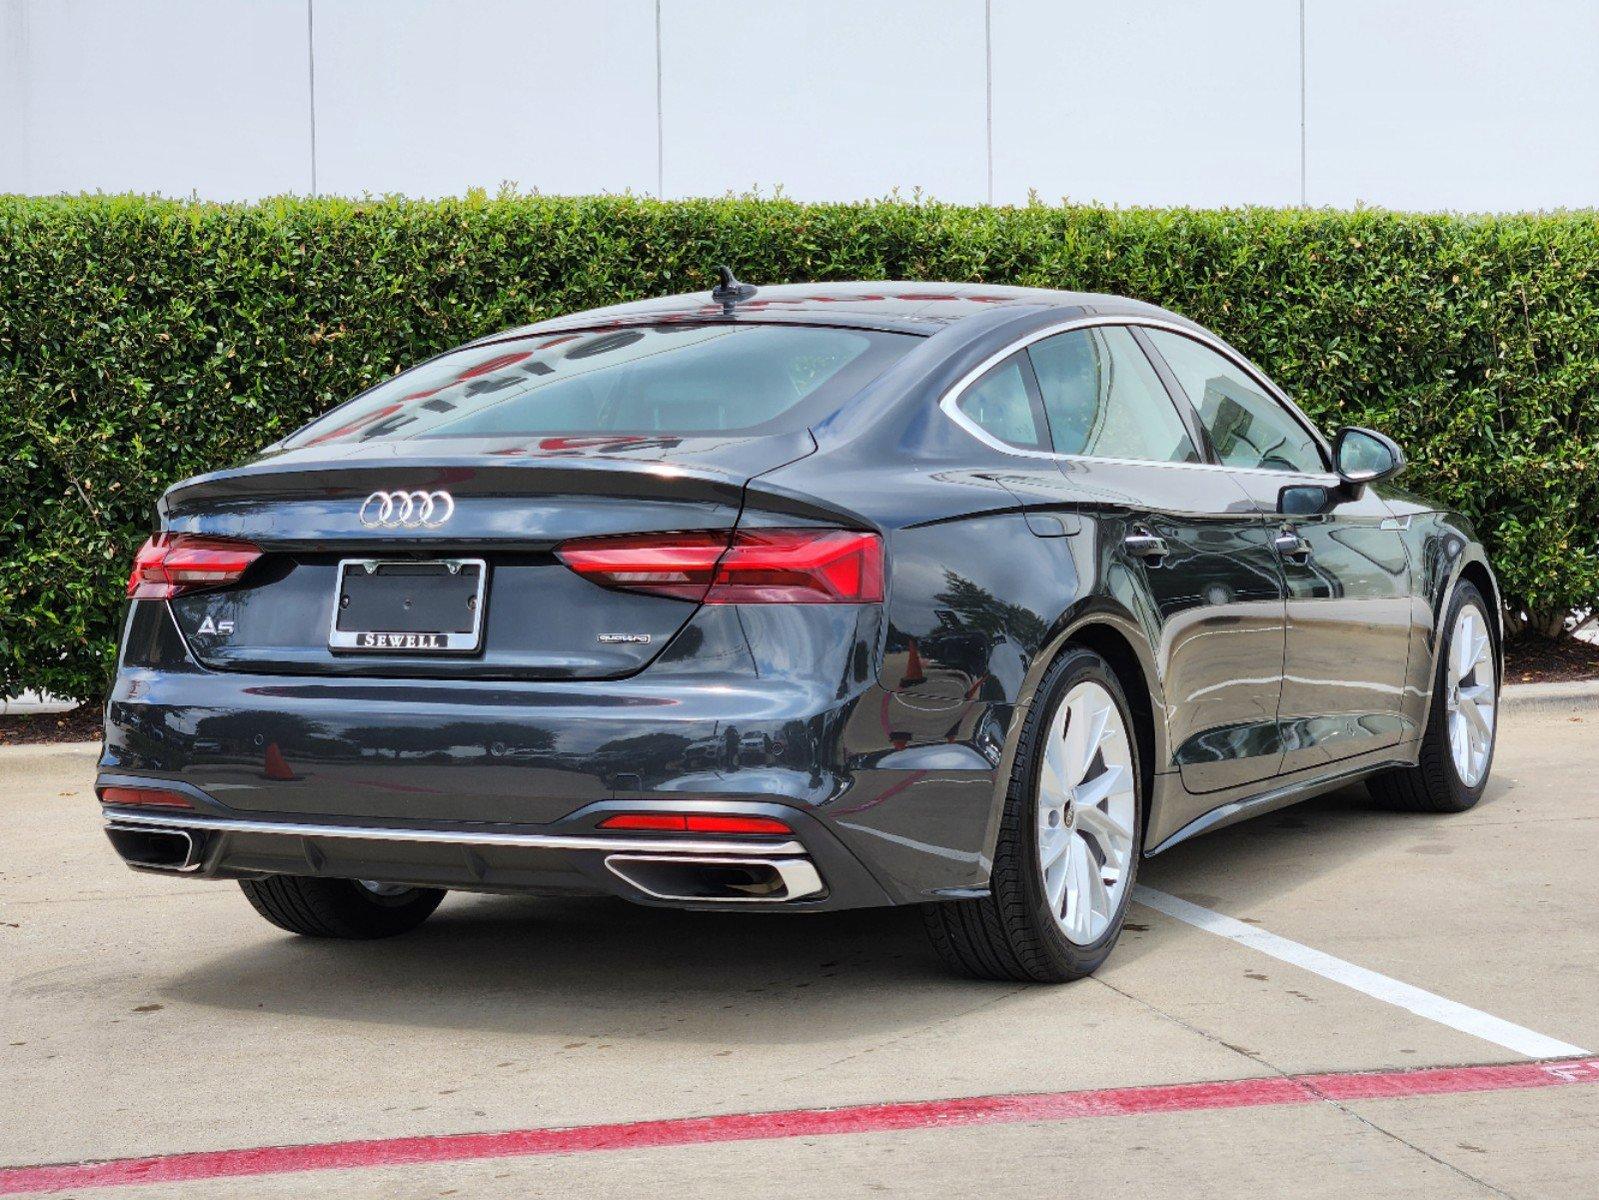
{"x": 718, "y": 879}
{"x": 154, "y": 849}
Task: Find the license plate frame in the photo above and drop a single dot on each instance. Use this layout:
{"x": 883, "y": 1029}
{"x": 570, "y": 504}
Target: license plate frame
{"x": 390, "y": 641}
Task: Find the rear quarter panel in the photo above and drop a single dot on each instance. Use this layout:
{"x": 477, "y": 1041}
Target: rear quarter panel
{"x": 1441, "y": 545}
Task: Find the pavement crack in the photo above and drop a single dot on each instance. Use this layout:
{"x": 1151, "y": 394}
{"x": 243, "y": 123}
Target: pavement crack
{"x": 1344, "y": 1108}
{"x": 1340, "y": 1105}
{"x": 913, "y": 1032}
{"x": 1243, "y": 1051}
{"x": 188, "y": 891}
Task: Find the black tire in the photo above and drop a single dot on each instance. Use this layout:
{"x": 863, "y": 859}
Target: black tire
{"x": 1433, "y": 784}
{"x": 1010, "y": 934}
{"x": 338, "y": 908}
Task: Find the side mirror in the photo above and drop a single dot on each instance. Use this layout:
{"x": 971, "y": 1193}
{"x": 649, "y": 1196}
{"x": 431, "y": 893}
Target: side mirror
{"x": 1363, "y": 456}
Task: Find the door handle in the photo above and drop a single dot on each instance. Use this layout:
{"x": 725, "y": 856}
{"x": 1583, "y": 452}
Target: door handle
{"x": 1292, "y": 547}
{"x": 1140, "y": 543}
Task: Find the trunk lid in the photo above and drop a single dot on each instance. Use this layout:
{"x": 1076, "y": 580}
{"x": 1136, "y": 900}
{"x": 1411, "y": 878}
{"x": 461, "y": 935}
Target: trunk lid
{"x": 510, "y": 503}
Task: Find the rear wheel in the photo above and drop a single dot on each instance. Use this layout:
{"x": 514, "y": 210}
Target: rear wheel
{"x": 1458, "y": 748}
{"x": 340, "y": 908}
{"x": 1068, "y": 843}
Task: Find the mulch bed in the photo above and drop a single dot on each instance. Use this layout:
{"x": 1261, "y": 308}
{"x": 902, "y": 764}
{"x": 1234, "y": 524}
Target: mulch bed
{"x": 1526, "y": 662}
{"x": 82, "y": 724}
{"x": 1539, "y": 661}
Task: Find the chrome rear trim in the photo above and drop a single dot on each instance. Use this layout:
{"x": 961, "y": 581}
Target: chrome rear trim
{"x": 743, "y": 848}
{"x": 189, "y": 862}
{"x": 798, "y": 875}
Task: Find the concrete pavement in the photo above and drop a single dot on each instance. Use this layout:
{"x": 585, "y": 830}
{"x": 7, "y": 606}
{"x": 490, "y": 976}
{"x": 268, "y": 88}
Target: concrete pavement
{"x": 149, "y": 1016}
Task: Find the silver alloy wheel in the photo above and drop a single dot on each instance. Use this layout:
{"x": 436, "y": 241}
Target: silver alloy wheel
{"x": 1086, "y": 796}
{"x": 1470, "y": 698}
{"x": 386, "y": 890}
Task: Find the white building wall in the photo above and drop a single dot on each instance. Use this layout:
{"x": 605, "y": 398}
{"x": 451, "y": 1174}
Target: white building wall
{"x": 1444, "y": 103}
{"x": 1431, "y": 104}
{"x": 831, "y": 99}
{"x": 1148, "y": 102}
{"x": 176, "y": 96}
{"x": 432, "y": 97}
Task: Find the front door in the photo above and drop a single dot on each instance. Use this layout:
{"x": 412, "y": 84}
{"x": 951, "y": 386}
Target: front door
{"x": 1348, "y": 578}
{"x": 1340, "y": 551}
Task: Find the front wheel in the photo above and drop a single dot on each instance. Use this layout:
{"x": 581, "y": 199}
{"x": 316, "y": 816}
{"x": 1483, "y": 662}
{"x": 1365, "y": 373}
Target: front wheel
{"x": 1457, "y": 749}
{"x": 352, "y": 909}
{"x": 1068, "y": 842}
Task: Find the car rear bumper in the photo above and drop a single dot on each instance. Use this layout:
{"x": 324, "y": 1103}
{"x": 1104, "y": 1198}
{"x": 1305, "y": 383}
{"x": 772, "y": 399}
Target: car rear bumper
{"x": 892, "y": 800}
{"x": 810, "y": 870}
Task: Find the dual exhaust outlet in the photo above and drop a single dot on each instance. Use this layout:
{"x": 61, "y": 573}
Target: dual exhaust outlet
{"x": 685, "y": 877}
{"x": 723, "y": 879}
{"x": 155, "y": 849}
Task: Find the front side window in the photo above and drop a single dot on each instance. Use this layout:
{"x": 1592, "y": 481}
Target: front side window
{"x": 1001, "y": 404}
{"x": 1104, "y": 399}
{"x": 1247, "y": 428}
{"x": 675, "y": 380}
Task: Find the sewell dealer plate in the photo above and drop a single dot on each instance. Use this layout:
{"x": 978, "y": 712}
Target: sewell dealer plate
{"x": 409, "y": 607}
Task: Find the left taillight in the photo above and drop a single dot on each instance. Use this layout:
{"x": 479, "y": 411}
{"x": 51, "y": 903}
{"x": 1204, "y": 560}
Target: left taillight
{"x": 755, "y": 566}
{"x": 170, "y": 564}
{"x": 143, "y": 797}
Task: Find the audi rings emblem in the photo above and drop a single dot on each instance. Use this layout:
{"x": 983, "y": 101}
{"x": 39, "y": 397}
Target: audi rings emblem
{"x": 407, "y": 510}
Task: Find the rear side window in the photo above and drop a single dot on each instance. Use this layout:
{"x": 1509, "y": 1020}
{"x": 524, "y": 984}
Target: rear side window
{"x": 1248, "y": 428}
{"x": 1002, "y": 404}
{"x": 677, "y": 379}
{"x": 1104, "y": 399}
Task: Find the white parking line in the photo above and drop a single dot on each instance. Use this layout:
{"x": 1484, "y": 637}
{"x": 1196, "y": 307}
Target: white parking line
{"x": 1380, "y": 987}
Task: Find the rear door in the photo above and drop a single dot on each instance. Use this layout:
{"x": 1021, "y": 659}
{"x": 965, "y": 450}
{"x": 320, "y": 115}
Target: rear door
{"x": 1178, "y": 543}
{"x": 1341, "y": 554}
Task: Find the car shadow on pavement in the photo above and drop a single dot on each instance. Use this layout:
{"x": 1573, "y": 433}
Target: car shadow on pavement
{"x": 582, "y": 967}
{"x": 1243, "y": 868}
{"x": 579, "y": 966}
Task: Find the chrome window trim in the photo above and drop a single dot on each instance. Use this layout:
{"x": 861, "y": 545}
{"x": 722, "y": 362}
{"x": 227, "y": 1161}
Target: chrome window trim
{"x": 950, "y": 401}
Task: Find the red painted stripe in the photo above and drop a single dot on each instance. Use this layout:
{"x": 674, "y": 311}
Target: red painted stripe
{"x": 803, "y": 1122}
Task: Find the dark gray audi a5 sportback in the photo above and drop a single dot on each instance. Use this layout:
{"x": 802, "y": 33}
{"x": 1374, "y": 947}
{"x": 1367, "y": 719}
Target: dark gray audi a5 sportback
{"x": 792, "y": 598}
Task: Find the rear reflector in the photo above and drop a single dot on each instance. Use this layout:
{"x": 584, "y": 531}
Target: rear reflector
{"x": 144, "y": 797}
{"x": 694, "y": 823}
{"x": 755, "y": 566}
{"x": 170, "y": 564}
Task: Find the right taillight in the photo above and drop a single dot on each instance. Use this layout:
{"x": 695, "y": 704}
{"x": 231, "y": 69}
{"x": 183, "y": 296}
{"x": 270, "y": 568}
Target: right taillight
{"x": 755, "y": 566}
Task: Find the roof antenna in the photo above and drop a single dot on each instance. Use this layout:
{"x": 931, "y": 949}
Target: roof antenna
{"x": 730, "y": 291}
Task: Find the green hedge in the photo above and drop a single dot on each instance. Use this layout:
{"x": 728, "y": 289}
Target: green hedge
{"x": 144, "y": 340}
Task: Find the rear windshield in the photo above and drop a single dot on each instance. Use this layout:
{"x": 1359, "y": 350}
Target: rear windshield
{"x": 663, "y": 379}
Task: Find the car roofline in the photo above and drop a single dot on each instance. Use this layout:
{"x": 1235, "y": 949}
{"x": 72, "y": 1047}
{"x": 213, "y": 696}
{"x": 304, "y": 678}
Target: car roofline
{"x": 892, "y": 306}
{"x": 560, "y": 328}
